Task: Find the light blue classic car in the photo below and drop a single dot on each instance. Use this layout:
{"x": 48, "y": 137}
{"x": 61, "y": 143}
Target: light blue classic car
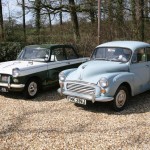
{"x": 116, "y": 71}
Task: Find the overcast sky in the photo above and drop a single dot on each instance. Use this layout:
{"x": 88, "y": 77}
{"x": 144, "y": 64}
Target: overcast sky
{"x": 10, "y": 8}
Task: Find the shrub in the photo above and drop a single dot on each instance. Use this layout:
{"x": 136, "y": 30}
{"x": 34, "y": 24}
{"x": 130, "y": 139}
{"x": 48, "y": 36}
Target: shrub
{"x": 10, "y": 50}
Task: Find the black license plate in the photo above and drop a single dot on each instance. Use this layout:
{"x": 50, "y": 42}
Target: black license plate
{"x": 77, "y": 100}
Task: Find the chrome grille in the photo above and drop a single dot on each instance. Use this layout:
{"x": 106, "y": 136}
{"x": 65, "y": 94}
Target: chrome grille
{"x": 80, "y": 88}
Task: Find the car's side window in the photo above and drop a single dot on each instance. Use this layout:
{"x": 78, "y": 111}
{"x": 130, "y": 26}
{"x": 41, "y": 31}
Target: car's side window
{"x": 58, "y": 54}
{"x": 139, "y": 56}
{"x": 148, "y": 53}
{"x": 70, "y": 53}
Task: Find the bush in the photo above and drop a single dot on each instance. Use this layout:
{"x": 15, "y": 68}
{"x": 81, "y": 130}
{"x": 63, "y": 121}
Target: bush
{"x": 10, "y": 50}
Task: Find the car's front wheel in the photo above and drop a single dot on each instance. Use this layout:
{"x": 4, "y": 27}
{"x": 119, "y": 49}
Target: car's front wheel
{"x": 120, "y": 99}
{"x": 31, "y": 89}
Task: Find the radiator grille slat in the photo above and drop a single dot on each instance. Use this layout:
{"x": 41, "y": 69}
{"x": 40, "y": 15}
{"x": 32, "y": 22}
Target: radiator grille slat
{"x": 80, "y": 88}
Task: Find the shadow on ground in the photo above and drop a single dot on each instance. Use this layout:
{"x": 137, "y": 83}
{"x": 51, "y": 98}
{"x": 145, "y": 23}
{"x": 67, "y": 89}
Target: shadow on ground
{"x": 49, "y": 94}
{"x": 137, "y": 104}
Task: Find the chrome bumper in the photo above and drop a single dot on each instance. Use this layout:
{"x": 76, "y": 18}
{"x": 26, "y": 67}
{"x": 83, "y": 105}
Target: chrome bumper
{"x": 17, "y": 86}
{"x": 84, "y": 96}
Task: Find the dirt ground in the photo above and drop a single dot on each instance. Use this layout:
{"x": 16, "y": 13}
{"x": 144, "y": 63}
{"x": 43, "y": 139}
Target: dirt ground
{"x": 50, "y": 122}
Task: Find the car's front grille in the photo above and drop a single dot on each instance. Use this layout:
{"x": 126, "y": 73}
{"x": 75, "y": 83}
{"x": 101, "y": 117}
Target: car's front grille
{"x": 80, "y": 88}
{"x": 4, "y": 78}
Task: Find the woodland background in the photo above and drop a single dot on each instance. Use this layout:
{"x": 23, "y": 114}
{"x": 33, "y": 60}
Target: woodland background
{"x": 77, "y": 24}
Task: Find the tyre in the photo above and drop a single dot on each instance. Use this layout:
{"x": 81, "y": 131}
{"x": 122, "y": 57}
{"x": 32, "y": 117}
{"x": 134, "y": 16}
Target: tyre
{"x": 31, "y": 89}
{"x": 120, "y": 99}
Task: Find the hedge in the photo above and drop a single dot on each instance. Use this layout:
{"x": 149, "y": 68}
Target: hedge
{"x": 10, "y": 50}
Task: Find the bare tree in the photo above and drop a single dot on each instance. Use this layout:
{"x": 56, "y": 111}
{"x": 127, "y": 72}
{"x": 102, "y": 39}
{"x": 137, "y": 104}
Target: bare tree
{"x": 48, "y": 13}
{"x": 110, "y": 18}
{"x": 74, "y": 19}
{"x": 24, "y": 21}
{"x": 1, "y": 21}
{"x": 38, "y": 17}
{"x": 134, "y": 21}
{"x": 120, "y": 17}
{"x": 60, "y": 14}
{"x": 140, "y": 17}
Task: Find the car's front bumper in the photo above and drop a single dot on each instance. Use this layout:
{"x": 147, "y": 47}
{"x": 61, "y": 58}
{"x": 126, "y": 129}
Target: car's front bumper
{"x": 85, "y": 96}
{"x": 12, "y": 87}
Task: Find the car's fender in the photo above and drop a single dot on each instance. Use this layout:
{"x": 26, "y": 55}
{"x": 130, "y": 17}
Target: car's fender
{"x": 116, "y": 79}
{"x": 68, "y": 71}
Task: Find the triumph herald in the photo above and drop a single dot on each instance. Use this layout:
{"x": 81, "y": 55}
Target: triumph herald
{"x": 116, "y": 71}
{"x": 37, "y": 67}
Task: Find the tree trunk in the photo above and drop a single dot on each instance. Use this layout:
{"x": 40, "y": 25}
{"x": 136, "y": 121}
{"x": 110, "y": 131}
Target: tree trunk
{"x": 50, "y": 22}
{"x": 146, "y": 10}
{"x": 24, "y": 21}
{"x": 38, "y": 18}
{"x": 140, "y": 20}
{"x": 60, "y": 14}
{"x": 1, "y": 21}
{"x": 120, "y": 18}
{"x": 74, "y": 19}
{"x": 92, "y": 13}
{"x": 134, "y": 22}
{"x": 110, "y": 19}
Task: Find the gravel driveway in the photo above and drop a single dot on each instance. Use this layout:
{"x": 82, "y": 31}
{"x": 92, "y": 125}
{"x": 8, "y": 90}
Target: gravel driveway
{"x": 50, "y": 122}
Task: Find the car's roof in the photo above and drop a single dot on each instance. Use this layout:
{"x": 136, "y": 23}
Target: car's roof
{"x": 48, "y": 46}
{"x": 133, "y": 45}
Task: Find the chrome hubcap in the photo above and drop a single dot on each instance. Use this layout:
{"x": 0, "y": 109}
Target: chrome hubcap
{"x": 121, "y": 98}
{"x": 32, "y": 89}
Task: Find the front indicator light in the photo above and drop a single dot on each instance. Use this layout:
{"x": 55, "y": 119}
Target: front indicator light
{"x": 103, "y": 91}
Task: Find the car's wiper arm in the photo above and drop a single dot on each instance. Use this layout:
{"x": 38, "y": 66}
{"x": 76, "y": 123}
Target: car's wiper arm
{"x": 102, "y": 59}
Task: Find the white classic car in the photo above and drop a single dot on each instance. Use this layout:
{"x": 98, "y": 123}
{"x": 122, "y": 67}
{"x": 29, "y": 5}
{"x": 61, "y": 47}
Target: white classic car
{"x": 36, "y": 67}
{"x": 116, "y": 71}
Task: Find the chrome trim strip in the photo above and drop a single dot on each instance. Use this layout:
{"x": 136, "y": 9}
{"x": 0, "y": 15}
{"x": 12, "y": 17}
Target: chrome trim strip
{"x": 12, "y": 85}
{"x": 81, "y": 82}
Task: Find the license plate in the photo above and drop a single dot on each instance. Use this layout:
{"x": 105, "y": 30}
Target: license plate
{"x": 3, "y": 90}
{"x": 77, "y": 100}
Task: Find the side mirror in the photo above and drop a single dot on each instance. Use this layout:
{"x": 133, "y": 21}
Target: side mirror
{"x": 46, "y": 57}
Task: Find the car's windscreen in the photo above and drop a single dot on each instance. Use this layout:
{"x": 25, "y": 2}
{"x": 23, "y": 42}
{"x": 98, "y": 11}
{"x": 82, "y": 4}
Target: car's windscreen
{"x": 37, "y": 54}
{"x": 112, "y": 54}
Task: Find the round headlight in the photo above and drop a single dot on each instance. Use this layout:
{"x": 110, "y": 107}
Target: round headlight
{"x": 15, "y": 72}
{"x": 103, "y": 82}
{"x": 62, "y": 77}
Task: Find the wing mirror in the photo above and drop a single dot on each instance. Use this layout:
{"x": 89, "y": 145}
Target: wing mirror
{"x": 46, "y": 57}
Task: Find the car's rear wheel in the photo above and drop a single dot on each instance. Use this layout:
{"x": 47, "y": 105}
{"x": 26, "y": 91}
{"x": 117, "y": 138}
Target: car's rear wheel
{"x": 31, "y": 89}
{"x": 120, "y": 99}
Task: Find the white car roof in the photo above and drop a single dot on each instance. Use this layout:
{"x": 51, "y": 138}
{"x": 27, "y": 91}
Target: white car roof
{"x": 133, "y": 45}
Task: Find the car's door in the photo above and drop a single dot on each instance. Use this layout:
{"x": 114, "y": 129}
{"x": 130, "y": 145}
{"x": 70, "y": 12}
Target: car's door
{"x": 148, "y": 61}
{"x": 62, "y": 57}
{"x": 56, "y": 64}
{"x": 60, "y": 60}
{"x": 140, "y": 68}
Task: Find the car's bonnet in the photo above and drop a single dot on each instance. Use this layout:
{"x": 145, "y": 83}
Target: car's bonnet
{"x": 90, "y": 71}
{"x": 6, "y": 67}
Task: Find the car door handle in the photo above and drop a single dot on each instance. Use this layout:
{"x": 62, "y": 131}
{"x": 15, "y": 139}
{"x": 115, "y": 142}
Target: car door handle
{"x": 68, "y": 63}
